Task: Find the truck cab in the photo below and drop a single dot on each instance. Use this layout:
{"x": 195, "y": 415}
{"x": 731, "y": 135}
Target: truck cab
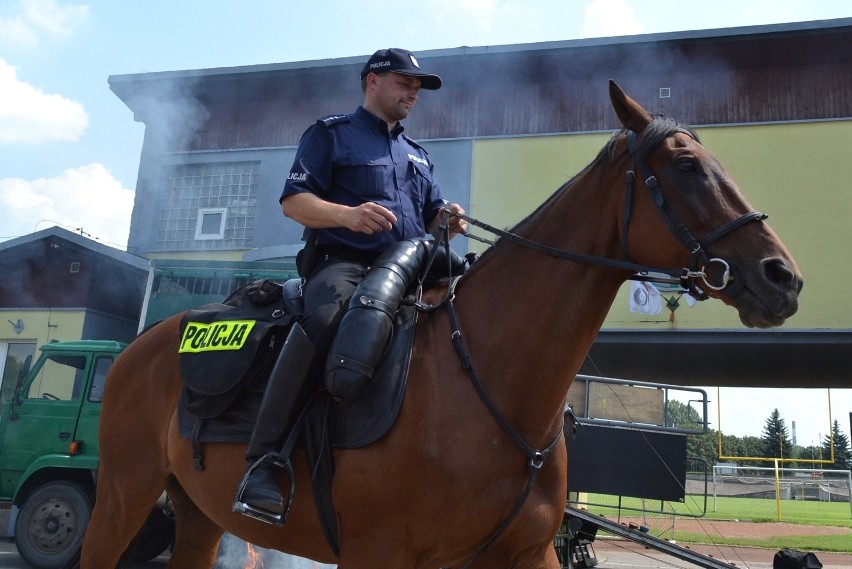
{"x": 49, "y": 452}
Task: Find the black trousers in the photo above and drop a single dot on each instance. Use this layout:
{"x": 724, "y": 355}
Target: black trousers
{"x": 326, "y": 295}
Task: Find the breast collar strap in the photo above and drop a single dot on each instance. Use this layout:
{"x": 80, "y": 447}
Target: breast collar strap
{"x": 535, "y": 457}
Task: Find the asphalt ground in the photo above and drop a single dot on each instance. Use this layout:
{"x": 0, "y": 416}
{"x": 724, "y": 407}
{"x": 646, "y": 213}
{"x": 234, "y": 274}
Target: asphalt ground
{"x": 621, "y": 554}
{"x": 607, "y": 553}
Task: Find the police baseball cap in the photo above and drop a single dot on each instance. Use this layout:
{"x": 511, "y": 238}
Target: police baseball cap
{"x": 400, "y": 61}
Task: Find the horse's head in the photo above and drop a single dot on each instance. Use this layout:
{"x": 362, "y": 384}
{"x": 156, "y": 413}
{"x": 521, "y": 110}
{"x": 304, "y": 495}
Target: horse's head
{"x": 687, "y": 208}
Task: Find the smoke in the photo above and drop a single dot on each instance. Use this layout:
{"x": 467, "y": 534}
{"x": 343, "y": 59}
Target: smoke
{"x": 235, "y": 553}
{"x": 172, "y": 113}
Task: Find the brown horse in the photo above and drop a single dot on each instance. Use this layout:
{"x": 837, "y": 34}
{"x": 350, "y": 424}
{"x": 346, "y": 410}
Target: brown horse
{"x": 432, "y": 491}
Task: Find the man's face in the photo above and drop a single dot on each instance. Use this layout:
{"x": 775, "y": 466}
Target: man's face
{"x": 396, "y": 94}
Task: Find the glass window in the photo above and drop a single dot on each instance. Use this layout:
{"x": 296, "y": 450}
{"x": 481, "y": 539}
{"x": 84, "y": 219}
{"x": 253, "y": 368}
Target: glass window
{"x": 211, "y": 223}
{"x": 60, "y": 378}
{"x": 208, "y": 206}
{"x": 17, "y": 361}
{"x": 102, "y": 365}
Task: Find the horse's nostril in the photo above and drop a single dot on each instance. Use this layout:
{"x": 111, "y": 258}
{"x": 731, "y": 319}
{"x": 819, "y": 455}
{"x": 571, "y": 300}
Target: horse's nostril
{"x": 777, "y": 271}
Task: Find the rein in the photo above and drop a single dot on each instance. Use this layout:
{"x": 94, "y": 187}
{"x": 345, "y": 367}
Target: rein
{"x": 685, "y": 277}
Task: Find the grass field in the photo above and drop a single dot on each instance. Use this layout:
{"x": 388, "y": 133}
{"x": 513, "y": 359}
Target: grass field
{"x": 744, "y": 509}
{"x": 763, "y": 510}
{"x": 833, "y": 543}
{"x": 811, "y": 513}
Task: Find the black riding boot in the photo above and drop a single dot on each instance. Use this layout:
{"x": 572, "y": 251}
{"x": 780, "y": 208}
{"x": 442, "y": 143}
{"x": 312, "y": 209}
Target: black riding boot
{"x": 260, "y": 494}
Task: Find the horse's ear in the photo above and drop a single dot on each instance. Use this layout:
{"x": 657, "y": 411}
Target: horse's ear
{"x": 630, "y": 113}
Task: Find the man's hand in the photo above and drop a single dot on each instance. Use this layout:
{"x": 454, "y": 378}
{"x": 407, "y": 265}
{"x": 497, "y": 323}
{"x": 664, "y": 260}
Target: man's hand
{"x": 313, "y": 212}
{"x": 370, "y": 218}
{"x": 456, "y": 224}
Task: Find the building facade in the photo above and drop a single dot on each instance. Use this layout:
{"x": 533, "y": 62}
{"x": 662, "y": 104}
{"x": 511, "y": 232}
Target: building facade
{"x": 59, "y": 286}
{"x": 510, "y": 125}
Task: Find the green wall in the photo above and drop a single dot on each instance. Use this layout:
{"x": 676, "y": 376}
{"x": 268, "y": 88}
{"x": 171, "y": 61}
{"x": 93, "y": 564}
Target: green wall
{"x": 795, "y": 172}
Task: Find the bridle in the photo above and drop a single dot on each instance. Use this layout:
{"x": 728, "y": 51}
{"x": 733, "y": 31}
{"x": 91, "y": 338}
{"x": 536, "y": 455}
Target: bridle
{"x": 699, "y": 260}
{"x": 687, "y": 277}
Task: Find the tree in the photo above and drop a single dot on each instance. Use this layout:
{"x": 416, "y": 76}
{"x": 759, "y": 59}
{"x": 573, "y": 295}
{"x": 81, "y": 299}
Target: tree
{"x": 776, "y": 437}
{"x": 700, "y": 445}
{"x": 683, "y": 416}
{"x": 703, "y": 446}
{"x": 842, "y": 453}
{"x": 808, "y": 454}
{"x": 752, "y": 446}
{"x": 732, "y": 447}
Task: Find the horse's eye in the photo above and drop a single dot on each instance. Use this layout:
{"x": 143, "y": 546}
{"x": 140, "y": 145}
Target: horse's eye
{"x": 686, "y": 165}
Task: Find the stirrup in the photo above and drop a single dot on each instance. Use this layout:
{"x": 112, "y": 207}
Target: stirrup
{"x": 241, "y": 507}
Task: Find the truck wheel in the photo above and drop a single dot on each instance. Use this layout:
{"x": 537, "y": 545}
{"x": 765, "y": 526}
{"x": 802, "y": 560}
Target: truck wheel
{"x": 156, "y": 535}
{"x": 51, "y": 524}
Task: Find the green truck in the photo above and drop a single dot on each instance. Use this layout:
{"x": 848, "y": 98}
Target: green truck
{"x": 49, "y": 456}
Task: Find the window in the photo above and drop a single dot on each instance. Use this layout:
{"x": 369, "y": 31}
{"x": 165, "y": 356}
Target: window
{"x": 60, "y": 378}
{"x": 102, "y": 365}
{"x": 208, "y": 206}
{"x": 17, "y": 357}
{"x": 211, "y": 223}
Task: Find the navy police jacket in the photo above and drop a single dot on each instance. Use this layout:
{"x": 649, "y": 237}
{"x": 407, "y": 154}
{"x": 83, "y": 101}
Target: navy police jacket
{"x": 352, "y": 159}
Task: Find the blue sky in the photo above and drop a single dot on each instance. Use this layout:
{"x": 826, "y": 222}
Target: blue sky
{"x": 69, "y": 148}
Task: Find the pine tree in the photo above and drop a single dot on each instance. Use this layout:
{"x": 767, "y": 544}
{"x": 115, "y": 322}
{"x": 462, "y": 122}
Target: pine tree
{"x": 776, "y": 438}
{"x": 842, "y": 453}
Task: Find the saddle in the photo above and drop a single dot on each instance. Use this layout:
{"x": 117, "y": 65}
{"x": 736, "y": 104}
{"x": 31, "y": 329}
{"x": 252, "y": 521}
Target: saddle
{"x": 227, "y": 352}
{"x": 241, "y": 340}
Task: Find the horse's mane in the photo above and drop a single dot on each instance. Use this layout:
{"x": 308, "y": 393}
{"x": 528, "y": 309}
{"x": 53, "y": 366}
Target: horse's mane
{"x": 660, "y": 128}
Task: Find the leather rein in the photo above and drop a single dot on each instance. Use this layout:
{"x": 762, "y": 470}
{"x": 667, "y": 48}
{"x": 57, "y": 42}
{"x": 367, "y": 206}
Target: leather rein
{"x": 686, "y": 277}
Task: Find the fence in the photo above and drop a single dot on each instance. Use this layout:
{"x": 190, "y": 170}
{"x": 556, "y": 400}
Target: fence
{"x": 781, "y": 484}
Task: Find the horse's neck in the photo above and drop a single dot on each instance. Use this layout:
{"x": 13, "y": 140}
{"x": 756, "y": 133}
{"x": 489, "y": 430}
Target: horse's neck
{"x": 529, "y": 318}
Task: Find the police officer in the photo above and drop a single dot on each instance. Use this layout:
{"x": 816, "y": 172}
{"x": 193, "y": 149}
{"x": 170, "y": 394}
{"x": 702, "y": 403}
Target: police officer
{"x": 361, "y": 185}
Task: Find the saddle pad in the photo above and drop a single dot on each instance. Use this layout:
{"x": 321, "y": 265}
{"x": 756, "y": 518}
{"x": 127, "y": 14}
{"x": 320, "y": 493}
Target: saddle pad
{"x": 354, "y": 424}
{"x": 367, "y": 418}
{"x": 226, "y": 354}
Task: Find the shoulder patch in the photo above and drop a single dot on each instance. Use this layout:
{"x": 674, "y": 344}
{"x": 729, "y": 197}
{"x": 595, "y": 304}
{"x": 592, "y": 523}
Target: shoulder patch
{"x": 414, "y": 143}
{"x": 334, "y": 119}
